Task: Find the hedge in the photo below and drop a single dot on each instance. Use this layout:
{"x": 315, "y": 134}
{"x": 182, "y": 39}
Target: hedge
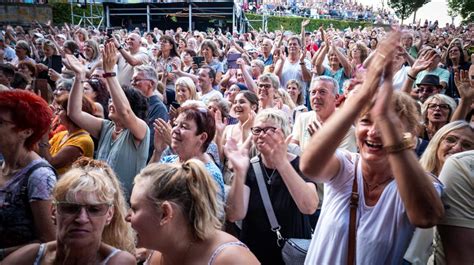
{"x": 62, "y": 12}
{"x": 294, "y": 23}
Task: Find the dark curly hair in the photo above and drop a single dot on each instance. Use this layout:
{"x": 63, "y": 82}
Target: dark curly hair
{"x": 138, "y": 102}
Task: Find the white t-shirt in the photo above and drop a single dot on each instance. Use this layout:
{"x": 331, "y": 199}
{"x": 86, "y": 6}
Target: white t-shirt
{"x": 301, "y": 133}
{"x": 125, "y": 70}
{"x": 293, "y": 71}
{"x": 400, "y": 77}
{"x": 209, "y": 95}
{"x": 383, "y": 230}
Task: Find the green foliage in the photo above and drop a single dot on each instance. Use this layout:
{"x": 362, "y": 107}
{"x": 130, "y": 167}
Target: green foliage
{"x": 62, "y": 12}
{"x": 464, "y": 8}
{"x": 294, "y": 23}
{"x": 404, "y": 8}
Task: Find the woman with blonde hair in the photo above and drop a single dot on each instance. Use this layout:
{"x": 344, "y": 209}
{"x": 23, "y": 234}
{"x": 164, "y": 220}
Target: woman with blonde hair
{"x": 437, "y": 111}
{"x": 450, "y": 139}
{"x": 89, "y": 212}
{"x": 185, "y": 89}
{"x": 175, "y": 212}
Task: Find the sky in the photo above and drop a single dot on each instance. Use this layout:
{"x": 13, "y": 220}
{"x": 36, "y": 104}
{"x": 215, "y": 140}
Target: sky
{"x": 434, "y": 10}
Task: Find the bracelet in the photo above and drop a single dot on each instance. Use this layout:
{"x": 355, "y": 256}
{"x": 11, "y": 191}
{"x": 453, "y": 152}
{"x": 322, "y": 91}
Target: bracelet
{"x": 302, "y": 63}
{"x": 411, "y": 77}
{"x": 111, "y": 74}
{"x": 120, "y": 47}
{"x": 406, "y": 143}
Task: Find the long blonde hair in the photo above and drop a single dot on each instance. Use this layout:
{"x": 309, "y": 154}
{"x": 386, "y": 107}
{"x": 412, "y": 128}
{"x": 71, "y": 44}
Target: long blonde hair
{"x": 429, "y": 160}
{"x": 99, "y": 182}
{"x": 188, "y": 185}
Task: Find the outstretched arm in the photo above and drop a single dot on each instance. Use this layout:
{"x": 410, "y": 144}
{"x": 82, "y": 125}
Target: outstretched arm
{"x": 318, "y": 161}
{"x": 74, "y": 109}
{"x": 125, "y": 116}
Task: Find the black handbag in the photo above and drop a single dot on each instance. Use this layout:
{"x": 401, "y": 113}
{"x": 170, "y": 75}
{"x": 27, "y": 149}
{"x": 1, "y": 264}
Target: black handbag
{"x": 294, "y": 249}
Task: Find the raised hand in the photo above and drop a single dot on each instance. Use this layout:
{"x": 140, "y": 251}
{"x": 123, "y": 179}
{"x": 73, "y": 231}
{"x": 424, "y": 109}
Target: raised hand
{"x": 162, "y": 137}
{"x": 75, "y": 65}
{"x": 109, "y": 57}
{"x": 305, "y": 23}
{"x": 313, "y": 128}
{"x": 464, "y": 85}
{"x": 423, "y": 62}
{"x": 385, "y": 53}
{"x": 238, "y": 156}
{"x": 220, "y": 125}
{"x": 275, "y": 147}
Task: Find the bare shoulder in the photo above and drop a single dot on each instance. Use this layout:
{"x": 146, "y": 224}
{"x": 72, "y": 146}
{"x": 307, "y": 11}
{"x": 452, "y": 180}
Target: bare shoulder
{"x": 24, "y": 255}
{"x": 122, "y": 258}
{"x": 236, "y": 253}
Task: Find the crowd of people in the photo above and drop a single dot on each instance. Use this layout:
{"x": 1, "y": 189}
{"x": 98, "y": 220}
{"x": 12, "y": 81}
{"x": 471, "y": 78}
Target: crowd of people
{"x": 169, "y": 147}
{"x": 345, "y": 10}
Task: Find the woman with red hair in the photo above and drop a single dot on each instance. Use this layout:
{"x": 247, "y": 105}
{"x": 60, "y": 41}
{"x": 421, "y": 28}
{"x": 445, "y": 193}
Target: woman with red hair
{"x": 26, "y": 180}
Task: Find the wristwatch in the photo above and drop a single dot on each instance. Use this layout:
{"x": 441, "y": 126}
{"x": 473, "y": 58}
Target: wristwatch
{"x": 408, "y": 142}
{"x": 111, "y": 74}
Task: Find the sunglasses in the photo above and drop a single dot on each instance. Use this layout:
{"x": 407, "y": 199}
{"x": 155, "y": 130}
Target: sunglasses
{"x": 265, "y": 86}
{"x": 257, "y": 130}
{"x": 93, "y": 210}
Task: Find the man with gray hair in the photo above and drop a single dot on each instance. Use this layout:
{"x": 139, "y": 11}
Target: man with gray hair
{"x": 322, "y": 95}
{"x": 145, "y": 80}
{"x": 130, "y": 58}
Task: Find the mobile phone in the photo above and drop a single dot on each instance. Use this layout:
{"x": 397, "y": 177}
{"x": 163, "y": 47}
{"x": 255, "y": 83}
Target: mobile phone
{"x": 109, "y": 32}
{"x": 198, "y": 60}
{"x": 232, "y": 60}
{"x": 169, "y": 68}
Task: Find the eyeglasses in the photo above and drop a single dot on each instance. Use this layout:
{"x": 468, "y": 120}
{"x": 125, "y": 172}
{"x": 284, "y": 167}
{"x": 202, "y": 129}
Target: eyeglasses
{"x": 258, "y": 130}
{"x": 427, "y": 90}
{"x": 93, "y": 210}
{"x": 453, "y": 140}
{"x": 265, "y": 86}
{"x": 441, "y": 106}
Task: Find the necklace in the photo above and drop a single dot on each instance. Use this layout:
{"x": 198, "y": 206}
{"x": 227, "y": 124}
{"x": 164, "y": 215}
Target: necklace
{"x": 269, "y": 178}
{"x": 372, "y": 187}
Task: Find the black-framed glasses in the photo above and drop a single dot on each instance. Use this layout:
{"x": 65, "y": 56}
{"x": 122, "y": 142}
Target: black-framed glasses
{"x": 441, "y": 106}
{"x": 93, "y": 210}
{"x": 258, "y": 130}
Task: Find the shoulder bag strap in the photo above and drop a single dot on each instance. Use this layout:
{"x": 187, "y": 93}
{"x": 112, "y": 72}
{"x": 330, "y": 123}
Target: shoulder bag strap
{"x": 257, "y": 168}
{"x": 354, "y": 203}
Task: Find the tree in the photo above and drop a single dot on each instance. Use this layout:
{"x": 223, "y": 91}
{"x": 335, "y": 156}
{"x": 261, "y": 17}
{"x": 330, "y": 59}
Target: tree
{"x": 404, "y": 8}
{"x": 464, "y": 8}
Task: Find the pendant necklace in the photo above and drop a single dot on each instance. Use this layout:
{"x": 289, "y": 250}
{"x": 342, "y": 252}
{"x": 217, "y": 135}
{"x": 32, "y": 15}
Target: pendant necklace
{"x": 269, "y": 178}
